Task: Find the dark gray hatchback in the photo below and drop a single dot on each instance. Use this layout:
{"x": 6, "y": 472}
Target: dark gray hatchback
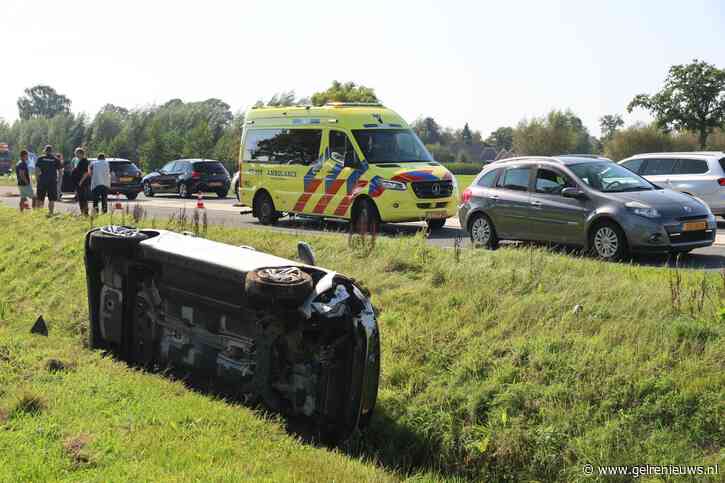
{"x": 582, "y": 201}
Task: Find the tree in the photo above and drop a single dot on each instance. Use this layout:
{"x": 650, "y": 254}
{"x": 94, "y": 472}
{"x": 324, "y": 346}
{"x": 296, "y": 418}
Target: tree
{"x": 693, "y": 98}
{"x": 559, "y": 132}
{"x": 642, "y": 138}
{"x": 199, "y": 142}
{"x": 501, "y": 138}
{"x": 609, "y": 125}
{"x": 347, "y": 92}
{"x": 466, "y": 136}
{"x": 427, "y": 130}
{"x": 42, "y": 101}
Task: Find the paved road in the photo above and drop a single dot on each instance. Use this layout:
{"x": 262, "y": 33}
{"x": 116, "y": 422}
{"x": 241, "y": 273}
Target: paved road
{"x": 226, "y": 212}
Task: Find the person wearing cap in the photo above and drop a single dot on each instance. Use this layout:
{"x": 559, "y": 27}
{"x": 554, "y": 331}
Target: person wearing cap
{"x": 100, "y": 173}
{"x": 48, "y": 168}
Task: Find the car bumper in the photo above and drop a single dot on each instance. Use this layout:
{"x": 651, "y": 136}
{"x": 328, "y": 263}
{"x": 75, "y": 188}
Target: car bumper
{"x": 204, "y": 186}
{"x": 403, "y": 207}
{"x": 126, "y": 189}
{"x": 650, "y": 236}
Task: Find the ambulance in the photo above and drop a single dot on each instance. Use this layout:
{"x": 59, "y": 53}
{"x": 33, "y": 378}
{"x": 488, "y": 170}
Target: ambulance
{"x": 350, "y": 161}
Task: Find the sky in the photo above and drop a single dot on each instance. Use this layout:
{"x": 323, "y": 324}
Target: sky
{"x": 490, "y": 64}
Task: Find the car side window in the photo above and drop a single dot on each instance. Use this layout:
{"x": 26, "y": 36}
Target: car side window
{"x": 516, "y": 179}
{"x": 488, "y": 179}
{"x": 692, "y": 166}
{"x": 551, "y": 182}
{"x": 634, "y": 165}
{"x": 168, "y": 167}
{"x": 283, "y": 146}
{"x": 340, "y": 144}
{"x": 659, "y": 167}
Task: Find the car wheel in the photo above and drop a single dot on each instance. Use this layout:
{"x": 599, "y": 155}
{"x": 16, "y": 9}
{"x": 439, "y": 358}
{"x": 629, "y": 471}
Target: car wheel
{"x": 264, "y": 209}
{"x": 365, "y": 217}
{"x": 236, "y": 192}
{"x": 131, "y": 196}
{"x": 288, "y": 286}
{"x": 436, "y": 224}
{"x": 184, "y": 191}
{"x": 116, "y": 240}
{"x": 222, "y": 194}
{"x": 608, "y": 242}
{"x": 482, "y": 232}
{"x": 147, "y": 190}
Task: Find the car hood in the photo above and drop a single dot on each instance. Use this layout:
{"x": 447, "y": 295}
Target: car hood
{"x": 669, "y": 203}
{"x": 409, "y": 172}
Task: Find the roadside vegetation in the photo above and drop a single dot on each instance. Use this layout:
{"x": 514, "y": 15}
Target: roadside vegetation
{"x": 519, "y": 364}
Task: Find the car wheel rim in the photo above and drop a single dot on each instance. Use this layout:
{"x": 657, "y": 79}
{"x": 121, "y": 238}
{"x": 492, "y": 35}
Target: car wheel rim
{"x": 266, "y": 210}
{"x": 146, "y": 189}
{"x": 606, "y": 242}
{"x": 481, "y": 231}
{"x": 182, "y": 190}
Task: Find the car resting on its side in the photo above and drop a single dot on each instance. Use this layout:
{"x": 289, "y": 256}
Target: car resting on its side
{"x": 294, "y": 338}
{"x": 586, "y": 202}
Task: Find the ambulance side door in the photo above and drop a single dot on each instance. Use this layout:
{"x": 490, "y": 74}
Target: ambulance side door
{"x": 341, "y": 173}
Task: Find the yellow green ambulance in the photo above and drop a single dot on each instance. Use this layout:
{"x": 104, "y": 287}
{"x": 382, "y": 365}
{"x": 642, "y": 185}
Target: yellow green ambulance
{"x": 352, "y": 161}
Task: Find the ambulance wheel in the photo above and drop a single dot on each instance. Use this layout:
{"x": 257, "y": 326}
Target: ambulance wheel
{"x": 365, "y": 217}
{"x": 264, "y": 209}
{"x": 436, "y": 223}
{"x": 116, "y": 240}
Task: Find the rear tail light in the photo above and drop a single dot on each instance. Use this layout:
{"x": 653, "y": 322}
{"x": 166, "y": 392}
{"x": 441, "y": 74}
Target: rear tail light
{"x": 195, "y": 175}
{"x": 466, "y": 196}
{"x": 721, "y": 181}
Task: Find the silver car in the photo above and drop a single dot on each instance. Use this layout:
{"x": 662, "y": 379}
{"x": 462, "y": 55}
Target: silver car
{"x": 701, "y": 174}
{"x": 582, "y": 201}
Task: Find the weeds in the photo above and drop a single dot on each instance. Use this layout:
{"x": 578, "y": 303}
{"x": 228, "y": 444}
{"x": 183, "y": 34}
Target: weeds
{"x": 28, "y": 403}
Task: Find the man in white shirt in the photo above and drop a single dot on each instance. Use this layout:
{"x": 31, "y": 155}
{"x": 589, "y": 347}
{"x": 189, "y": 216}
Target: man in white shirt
{"x": 100, "y": 173}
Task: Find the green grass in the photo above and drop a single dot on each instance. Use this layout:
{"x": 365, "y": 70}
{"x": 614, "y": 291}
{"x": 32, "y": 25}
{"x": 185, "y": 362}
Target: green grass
{"x": 465, "y": 180}
{"x": 489, "y": 371}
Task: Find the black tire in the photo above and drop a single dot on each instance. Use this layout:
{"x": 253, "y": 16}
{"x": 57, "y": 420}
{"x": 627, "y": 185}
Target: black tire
{"x": 608, "y": 242}
{"x": 222, "y": 194}
{"x": 236, "y": 192}
{"x": 184, "y": 191}
{"x": 116, "y": 240}
{"x": 131, "y": 196}
{"x": 148, "y": 191}
{"x": 264, "y": 209}
{"x": 435, "y": 223}
{"x": 365, "y": 218}
{"x": 482, "y": 231}
{"x": 286, "y": 286}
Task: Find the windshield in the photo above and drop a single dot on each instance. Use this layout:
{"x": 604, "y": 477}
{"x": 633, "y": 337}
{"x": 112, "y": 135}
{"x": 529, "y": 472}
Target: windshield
{"x": 610, "y": 178}
{"x": 123, "y": 167}
{"x": 210, "y": 168}
{"x": 391, "y": 146}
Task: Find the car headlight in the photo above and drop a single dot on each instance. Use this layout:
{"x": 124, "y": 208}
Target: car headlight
{"x": 394, "y": 185}
{"x": 642, "y": 210}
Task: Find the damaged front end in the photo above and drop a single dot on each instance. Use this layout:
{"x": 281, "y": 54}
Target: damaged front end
{"x": 300, "y": 340}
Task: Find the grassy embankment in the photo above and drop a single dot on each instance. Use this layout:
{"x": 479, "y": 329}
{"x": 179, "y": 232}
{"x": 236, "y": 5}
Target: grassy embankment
{"x": 514, "y": 365}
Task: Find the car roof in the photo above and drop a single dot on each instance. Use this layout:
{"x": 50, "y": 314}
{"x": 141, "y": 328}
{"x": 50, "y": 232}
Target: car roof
{"x": 192, "y": 160}
{"x": 350, "y": 115}
{"x": 112, "y": 160}
{"x": 698, "y": 154}
{"x": 565, "y": 159}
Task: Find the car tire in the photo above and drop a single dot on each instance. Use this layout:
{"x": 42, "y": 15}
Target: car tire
{"x": 236, "y": 192}
{"x": 222, "y": 194}
{"x": 264, "y": 209}
{"x": 131, "y": 196}
{"x": 366, "y": 218}
{"x": 435, "y": 223}
{"x": 286, "y": 286}
{"x": 148, "y": 191}
{"x": 482, "y": 231}
{"x": 116, "y": 240}
{"x": 608, "y": 242}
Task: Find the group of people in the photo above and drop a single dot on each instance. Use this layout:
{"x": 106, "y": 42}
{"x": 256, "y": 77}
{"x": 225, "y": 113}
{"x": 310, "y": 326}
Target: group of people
{"x": 91, "y": 180}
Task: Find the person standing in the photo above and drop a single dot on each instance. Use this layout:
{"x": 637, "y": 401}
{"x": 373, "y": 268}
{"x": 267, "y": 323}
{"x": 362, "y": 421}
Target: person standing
{"x": 60, "y": 176}
{"x": 100, "y": 173}
{"x": 25, "y": 187}
{"x": 48, "y": 169}
{"x": 82, "y": 180}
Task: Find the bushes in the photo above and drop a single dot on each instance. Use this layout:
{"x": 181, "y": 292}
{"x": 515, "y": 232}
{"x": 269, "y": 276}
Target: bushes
{"x": 464, "y": 168}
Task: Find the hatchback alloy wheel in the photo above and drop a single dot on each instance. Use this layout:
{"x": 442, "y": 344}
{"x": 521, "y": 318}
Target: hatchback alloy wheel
{"x": 606, "y": 242}
{"x": 482, "y": 232}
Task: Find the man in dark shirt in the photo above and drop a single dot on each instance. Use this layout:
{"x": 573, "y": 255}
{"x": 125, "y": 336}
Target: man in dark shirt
{"x": 48, "y": 167}
{"x": 82, "y": 178}
{"x": 24, "y": 186}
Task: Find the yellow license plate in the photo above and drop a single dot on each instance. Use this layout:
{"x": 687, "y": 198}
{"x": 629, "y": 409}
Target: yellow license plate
{"x": 215, "y": 184}
{"x": 694, "y": 226}
{"x": 435, "y": 215}
{"x": 126, "y": 179}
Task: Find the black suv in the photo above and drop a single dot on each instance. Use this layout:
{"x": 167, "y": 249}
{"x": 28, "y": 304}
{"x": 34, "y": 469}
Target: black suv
{"x": 188, "y": 176}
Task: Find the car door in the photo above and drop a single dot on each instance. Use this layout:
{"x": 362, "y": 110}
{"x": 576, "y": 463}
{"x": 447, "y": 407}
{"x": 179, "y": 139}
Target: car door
{"x": 690, "y": 176}
{"x": 556, "y": 218}
{"x": 340, "y": 171}
{"x": 512, "y": 209}
{"x": 159, "y": 183}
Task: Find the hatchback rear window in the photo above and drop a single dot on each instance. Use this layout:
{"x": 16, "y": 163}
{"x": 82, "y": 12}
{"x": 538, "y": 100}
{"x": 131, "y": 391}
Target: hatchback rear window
{"x": 722, "y": 164}
{"x": 209, "y": 168}
{"x": 123, "y": 167}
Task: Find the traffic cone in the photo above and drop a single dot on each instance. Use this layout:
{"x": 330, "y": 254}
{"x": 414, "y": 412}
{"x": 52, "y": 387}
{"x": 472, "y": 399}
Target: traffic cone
{"x": 117, "y": 205}
{"x": 200, "y": 202}
{"x": 25, "y": 204}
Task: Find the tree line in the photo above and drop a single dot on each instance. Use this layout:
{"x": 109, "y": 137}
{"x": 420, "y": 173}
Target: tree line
{"x": 689, "y": 114}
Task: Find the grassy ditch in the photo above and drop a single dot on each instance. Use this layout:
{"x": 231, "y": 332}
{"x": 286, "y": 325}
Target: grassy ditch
{"x": 518, "y": 364}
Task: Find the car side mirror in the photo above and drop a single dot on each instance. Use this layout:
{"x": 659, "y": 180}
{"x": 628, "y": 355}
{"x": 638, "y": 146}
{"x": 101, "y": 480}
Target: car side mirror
{"x": 575, "y": 193}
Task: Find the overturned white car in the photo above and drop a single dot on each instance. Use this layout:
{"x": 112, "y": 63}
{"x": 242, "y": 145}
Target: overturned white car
{"x": 295, "y": 338}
